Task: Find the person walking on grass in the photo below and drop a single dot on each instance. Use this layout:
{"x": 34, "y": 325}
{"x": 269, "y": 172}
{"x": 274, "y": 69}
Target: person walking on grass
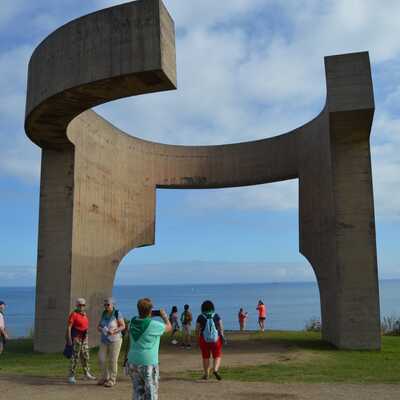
{"x": 262, "y": 315}
{"x": 111, "y": 325}
{"x": 242, "y": 317}
{"x": 174, "y": 319}
{"x": 3, "y": 333}
{"x": 143, "y": 347}
{"x": 77, "y": 337}
{"x": 186, "y": 320}
{"x": 210, "y": 333}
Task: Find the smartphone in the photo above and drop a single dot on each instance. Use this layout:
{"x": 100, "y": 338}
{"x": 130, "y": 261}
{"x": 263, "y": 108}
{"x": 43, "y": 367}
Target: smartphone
{"x": 155, "y": 313}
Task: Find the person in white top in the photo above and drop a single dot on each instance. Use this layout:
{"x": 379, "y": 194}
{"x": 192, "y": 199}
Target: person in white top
{"x": 3, "y": 333}
{"x": 110, "y": 326}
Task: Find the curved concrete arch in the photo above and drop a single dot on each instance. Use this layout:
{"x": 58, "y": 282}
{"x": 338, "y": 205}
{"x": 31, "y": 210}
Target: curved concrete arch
{"x": 98, "y": 183}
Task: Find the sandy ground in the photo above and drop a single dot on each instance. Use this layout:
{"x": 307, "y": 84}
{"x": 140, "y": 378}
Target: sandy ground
{"x": 174, "y": 360}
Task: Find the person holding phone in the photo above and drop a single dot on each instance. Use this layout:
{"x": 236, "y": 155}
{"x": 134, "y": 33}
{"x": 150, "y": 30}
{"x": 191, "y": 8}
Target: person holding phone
{"x": 143, "y": 347}
{"x": 262, "y": 315}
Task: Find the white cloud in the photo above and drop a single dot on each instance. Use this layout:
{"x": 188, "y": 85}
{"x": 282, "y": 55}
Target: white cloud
{"x": 13, "y": 70}
{"x": 234, "y": 86}
{"x": 194, "y": 272}
{"x": 22, "y": 160}
{"x": 386, "y": 165}
{"x": 204, "y": 13}
{"x": 246, "y": 70}
{"x": 17, "y": 275}
{"x": 280, "y": 196}
{"x": 18, "y": 156}
{"x": 8, "y": 10}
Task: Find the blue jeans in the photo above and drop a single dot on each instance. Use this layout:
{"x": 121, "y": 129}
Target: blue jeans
{"x": 145, "y": 381}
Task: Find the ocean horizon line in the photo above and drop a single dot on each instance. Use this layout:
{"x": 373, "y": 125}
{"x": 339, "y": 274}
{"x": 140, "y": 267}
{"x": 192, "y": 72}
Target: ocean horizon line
{"x": 201, "y": 284}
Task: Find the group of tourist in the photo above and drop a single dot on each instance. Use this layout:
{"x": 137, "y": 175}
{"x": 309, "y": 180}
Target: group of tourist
{"x": 186, "y": 321}
{"x": 144, "y": 333}
{"x": 262, "y": 315}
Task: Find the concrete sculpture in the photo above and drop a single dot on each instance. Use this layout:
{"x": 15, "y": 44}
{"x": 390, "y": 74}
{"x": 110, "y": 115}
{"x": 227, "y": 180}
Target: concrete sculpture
{"x": 98, "y": 184}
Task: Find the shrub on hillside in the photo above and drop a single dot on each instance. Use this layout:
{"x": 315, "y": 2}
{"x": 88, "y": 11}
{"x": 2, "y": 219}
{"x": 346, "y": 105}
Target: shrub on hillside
{"x": 313, "y": 325}
{"x": 390, "y": 326}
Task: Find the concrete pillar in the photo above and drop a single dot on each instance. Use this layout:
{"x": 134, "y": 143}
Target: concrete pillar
{"x": 337, "y": 215}
{"x": 53, "y": 281}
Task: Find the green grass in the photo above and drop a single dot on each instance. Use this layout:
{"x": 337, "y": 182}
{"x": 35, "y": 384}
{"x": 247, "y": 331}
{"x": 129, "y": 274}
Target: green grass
{"x": 324, "y": 363}
{"x": 20, "y": 359}
{"x": 320, "y": 361}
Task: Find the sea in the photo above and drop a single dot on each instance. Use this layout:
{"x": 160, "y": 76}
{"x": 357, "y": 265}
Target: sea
{"x": 290, "y": 305}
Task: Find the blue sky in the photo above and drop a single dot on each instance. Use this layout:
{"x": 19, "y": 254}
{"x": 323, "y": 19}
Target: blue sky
{"x": 246, "y": 70}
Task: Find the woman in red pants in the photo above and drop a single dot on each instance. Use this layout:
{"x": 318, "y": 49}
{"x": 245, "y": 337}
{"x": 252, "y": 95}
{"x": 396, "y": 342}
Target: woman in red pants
{"x": 210, "y": 333}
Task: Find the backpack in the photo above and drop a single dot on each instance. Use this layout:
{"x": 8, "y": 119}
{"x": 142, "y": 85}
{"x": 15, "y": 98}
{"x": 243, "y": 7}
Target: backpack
{"x": 186, "y": 317}
{"x": 210, "y": 332}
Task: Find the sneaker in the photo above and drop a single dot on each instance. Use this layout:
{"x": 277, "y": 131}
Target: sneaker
{"x": 204, "y": 377}
{"x": 109, "y": 384}
{"x": 89, "y": 376}
{"x": 71, "y": 380}
{"x": 174, "y": 341}
{"x": 217, "y": 375}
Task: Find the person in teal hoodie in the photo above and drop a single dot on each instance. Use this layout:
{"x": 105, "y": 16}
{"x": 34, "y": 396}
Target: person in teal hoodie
{"x": 144, "y": 344}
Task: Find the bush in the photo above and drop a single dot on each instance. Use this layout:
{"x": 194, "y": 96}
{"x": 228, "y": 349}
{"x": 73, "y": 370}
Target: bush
{"x": 390, "y": 326}
{"x": 313, "y": 325}
{"x": 31, "y": 333}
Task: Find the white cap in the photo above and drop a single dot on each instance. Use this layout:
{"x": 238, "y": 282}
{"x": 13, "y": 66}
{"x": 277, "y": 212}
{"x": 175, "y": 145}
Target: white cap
{"x": 80, "y": 300}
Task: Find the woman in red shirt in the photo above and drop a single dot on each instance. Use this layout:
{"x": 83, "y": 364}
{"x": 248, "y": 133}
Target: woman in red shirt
{"x": 78, "y": 325}
{"x": 262, "y": 315}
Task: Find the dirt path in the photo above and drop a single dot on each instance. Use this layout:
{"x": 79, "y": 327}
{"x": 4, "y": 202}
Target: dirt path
{"x": 173, "y": 360}
{"x": 173, "y": 389}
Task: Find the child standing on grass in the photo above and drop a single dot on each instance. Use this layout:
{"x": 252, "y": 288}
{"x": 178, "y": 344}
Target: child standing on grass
{"x": 174, "y": 320}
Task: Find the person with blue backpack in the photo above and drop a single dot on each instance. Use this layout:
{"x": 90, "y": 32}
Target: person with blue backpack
{"x": 210, "y": 333}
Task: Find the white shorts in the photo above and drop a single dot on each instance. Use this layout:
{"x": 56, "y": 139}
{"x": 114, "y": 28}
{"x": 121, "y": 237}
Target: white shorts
{"x": 186, "y": 329}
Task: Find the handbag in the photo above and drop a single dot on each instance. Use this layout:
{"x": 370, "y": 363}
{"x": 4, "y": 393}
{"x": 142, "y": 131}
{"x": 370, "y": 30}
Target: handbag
{"x": 68, "y": 350}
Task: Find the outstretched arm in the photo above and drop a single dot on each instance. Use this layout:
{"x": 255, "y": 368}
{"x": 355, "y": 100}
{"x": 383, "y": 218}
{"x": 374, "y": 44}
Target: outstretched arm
{"x": 164, "y": 317}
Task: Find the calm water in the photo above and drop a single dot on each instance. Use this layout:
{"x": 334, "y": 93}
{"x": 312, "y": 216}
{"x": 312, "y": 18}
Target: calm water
{"x": 289, "y": 305}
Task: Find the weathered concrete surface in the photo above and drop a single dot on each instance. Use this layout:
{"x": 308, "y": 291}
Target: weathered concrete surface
{"x": 98, "y": 184}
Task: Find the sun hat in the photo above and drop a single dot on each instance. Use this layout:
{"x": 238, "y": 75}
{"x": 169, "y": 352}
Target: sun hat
{"x": 81, "y": 300}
